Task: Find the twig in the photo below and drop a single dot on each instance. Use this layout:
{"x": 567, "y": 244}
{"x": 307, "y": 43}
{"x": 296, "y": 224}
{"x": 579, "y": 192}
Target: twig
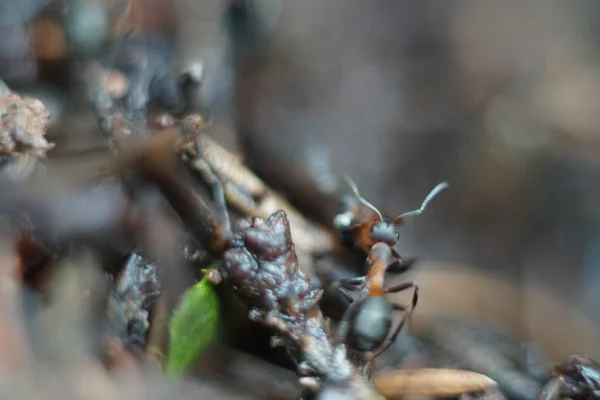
{"x": 157, "y": 337}
{"x": 158, "y": 164}
{"x": 437, "y": 382}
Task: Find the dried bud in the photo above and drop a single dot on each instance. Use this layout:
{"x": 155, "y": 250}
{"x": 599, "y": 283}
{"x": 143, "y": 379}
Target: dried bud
{"x": 264, "y": 267}
{"x": 23, "y": 123}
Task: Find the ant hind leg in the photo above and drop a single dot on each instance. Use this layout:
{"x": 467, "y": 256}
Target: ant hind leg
{"x": 353, "y": 283}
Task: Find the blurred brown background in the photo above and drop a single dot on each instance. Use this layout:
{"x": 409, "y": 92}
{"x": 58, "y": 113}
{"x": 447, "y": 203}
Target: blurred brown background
{"x": 497, "y": 97}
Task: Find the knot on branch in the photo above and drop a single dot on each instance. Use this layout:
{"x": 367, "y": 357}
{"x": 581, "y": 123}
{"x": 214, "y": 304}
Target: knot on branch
{"x": 263, "y": 267}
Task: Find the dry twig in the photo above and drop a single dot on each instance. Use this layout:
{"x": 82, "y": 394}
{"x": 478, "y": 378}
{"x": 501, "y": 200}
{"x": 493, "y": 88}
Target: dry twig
{"x": 437, "y": 382}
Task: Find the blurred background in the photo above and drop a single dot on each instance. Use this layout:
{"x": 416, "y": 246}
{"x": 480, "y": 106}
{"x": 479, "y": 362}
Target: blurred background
{"x": 497, "y": 97}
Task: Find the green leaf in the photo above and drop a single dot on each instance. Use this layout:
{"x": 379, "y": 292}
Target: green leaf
{"x": 192, "y": 327}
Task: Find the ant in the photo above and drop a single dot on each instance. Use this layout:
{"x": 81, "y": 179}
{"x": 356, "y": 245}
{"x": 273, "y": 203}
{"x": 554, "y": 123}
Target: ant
{"x": 367, "y": 323}
{"x": 364, "y": 231}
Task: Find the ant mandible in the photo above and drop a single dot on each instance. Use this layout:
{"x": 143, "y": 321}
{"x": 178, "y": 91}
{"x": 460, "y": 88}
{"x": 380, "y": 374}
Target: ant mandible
{"x": 367, "y": 323}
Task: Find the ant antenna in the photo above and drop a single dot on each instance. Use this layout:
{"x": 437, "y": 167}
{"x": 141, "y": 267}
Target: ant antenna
{"x": 434, "y": 192}
{"x": 359, "y": 197}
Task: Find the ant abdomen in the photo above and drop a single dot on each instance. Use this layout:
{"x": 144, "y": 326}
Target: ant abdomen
{"x": 370, "y": 324}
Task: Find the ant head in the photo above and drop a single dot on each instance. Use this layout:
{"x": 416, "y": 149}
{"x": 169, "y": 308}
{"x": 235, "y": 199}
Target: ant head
{"x": 385, "y": 231}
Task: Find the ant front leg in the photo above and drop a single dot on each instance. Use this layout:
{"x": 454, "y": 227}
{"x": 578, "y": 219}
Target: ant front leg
{"x": 349, "y": 284}
{"x": 218, "y": 193}
{"x": 353, "y": 285}
{"x": 400, "y": 266}
{"x": 343, "y": 327}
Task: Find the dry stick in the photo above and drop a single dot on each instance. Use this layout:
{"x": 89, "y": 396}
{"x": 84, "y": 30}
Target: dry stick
{"x": 157, "y": 337}
{"x": 438, "y": 382}
{"x": 158, "y": 163}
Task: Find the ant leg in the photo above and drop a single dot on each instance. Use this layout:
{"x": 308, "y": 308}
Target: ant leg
{"x": 403, "y": 286}
{"x": 344, "y": 324}
{"x": 369, "y": 364}
{"x": 400, "y": 266}
{"x": 392, "y": 339}
{"x": 353, "y": 283}
{"x": 347, "y": 295}
{"x": 218, "y": 192}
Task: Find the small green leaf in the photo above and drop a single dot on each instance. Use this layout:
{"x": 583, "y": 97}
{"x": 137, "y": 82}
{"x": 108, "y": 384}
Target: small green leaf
{"x": 192, "y": 327}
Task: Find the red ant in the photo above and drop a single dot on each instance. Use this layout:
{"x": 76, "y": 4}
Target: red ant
{"x": 367, "y": 323}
